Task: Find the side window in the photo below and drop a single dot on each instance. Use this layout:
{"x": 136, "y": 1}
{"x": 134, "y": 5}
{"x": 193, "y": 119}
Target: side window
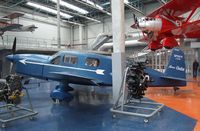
{"x": 70, "y": 59}
{"x": 56, "y": 60}
{"x": 92, "y": 62}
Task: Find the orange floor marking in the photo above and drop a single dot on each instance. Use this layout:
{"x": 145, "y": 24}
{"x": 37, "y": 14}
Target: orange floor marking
{"x": 186, "y": 100}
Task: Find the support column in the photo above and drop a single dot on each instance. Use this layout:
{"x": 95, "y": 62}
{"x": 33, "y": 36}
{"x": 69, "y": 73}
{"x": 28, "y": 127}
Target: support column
{"x": 5, "y": 65}
{"x": 196, "y": 53}
{"x": 81, "y": 35}
{"x": 159, "y": 60}
{"x": 58, "y": 24}
{"x": 118, "y": 56}
{"x": 156, "y": 60}
{"x": 72, "y": 35}
{"x": 152, "y": 60}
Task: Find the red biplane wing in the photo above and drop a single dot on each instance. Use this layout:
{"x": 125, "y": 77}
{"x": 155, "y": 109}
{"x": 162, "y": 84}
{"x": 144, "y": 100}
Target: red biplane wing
{"x": 176, "y": 8}
{"x": 188, "y": 28}
{"x": 14, "y": 15}
{"x": 195, "y": 34}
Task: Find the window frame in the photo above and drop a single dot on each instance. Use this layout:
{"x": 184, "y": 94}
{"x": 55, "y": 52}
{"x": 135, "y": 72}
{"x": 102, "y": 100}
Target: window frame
{"x": 88, "y": 62}
{"x": 70, "y": 57}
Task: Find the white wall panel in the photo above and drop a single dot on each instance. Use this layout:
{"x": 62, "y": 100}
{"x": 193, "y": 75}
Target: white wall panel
{"x": 94, "y": 30}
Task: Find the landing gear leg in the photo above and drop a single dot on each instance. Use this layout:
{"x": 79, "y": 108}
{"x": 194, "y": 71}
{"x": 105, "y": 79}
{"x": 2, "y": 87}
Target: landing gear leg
{"x": 176, "y": 88}
{"x": 61, "y": 93}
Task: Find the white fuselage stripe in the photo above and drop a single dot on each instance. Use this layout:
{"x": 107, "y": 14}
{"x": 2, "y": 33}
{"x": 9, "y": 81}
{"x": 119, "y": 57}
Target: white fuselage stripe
{"x": 75, "y": 68}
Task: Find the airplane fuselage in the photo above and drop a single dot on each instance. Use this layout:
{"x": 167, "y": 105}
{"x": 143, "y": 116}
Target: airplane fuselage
{"x": 85, "y": 68}
{"x": 60, "y": 66}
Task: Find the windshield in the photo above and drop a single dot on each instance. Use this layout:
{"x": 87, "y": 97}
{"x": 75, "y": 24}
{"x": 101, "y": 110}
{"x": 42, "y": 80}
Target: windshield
{"x": 54, "y": 55}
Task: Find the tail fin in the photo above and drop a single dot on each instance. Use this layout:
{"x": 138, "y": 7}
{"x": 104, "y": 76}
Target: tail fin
{"x": 176, "y": 66}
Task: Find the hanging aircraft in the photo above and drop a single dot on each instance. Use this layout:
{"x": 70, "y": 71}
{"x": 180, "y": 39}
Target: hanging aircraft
{"x": 73, "y": 67}
{"x": 6, "y": 24}
{"x": 163, "y": 26}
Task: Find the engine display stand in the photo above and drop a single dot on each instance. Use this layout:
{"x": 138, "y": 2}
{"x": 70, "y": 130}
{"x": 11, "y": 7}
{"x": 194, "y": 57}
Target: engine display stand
{"x": 11, "y": 112}
{"x": 133, "y": 107}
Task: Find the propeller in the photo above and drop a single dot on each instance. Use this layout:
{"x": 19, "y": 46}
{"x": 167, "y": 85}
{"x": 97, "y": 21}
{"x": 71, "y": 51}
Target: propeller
{"x": 14, "y": 46}
{"x": 2, "y": 38}
{"x": 136, "y": 23}
{"x": 12, "y": 53}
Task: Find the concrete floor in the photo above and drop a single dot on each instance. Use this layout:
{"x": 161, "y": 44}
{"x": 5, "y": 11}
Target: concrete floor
{"x": 186, "y": 100}
{"x": 89, "y": 111}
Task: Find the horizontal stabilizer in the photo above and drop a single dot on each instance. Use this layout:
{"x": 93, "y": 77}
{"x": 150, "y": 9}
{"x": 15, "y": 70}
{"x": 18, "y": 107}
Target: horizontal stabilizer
{"x": 173, "y": 78}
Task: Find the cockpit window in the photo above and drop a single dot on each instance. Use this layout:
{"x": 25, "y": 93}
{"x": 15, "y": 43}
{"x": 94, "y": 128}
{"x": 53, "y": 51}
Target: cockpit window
{"x": 56, "y": 60}
{"x": 92, "y": 62}
{"x": 70, "y": 59}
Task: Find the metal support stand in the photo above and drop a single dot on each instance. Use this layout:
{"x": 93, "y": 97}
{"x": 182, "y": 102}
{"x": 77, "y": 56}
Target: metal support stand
{"x": 127, "y": 106}
{"x": 11, "y": 112}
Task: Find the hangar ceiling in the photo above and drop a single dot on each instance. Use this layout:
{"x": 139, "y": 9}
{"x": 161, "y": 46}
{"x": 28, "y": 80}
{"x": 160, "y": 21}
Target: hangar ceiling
{"x": 88, "y": 10}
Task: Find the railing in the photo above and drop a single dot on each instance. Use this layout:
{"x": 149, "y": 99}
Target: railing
{"x": 29, "y": 42}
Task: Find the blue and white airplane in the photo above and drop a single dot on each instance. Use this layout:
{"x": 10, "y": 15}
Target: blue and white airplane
{"x": 73, "y": 67}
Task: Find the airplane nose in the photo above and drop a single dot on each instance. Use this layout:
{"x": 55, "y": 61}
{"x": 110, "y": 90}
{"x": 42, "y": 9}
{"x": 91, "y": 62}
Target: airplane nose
{"x": 10, "y": 57}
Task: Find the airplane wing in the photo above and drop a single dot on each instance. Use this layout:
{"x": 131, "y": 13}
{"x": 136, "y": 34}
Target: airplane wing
{"x": 183, "y": 30}
{"x": 175, "y": 8}
{"x": 10, "y": 27}
{"x": 30, "y": 28}
{"x": 4, "y": 20}
{"x": 75, "y": 79}
{"x": 14, "y": 15}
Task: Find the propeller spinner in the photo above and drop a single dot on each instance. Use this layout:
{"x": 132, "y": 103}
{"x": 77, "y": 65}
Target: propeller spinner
{"x": 136, "y": 23}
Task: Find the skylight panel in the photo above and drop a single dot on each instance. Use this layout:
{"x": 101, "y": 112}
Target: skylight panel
{"x": 70, "y": 6}
{"x": 48, "y": 9}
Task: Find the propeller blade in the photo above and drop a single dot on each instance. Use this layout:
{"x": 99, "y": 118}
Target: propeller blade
{"x": 14, "y": 46}
{"x": 13, "y": 52}
{"x": 2, "y": 38}
{"x": 135, "y": 19}
{"x": 136, "y": 23}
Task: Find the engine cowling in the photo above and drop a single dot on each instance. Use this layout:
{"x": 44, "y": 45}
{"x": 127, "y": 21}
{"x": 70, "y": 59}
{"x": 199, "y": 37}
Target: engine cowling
{"x": 154, "y": 45}
{"x": 169, "y": 43}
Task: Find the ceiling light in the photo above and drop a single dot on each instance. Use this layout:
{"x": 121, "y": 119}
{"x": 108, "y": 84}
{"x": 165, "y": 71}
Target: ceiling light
{"x": 126, "y": 1}
{"x": 48, "y": 9}
{"x": 70, "y": 6}
{"x": 92, "y": 3}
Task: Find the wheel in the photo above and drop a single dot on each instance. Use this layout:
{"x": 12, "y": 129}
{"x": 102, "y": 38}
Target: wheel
{"x": 3, "y": 125}
{"x": 114, "y": 115}
{"x": 31, "y": 118}
{"x": 57, "y": 101}
{"x": 146, "y": 120}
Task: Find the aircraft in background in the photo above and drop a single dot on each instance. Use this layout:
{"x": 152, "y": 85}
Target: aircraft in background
{"x": 163, "y": 26}
{"x": 73, "y": 67}
{"x": 6, "y": 24}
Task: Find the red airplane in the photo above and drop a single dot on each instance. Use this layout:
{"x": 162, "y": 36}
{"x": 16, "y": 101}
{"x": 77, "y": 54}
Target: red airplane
{"x": 163, "y": 26}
